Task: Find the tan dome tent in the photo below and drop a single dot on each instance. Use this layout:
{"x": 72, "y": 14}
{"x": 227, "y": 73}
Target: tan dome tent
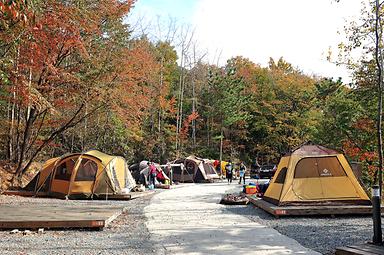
{"x": 317, "y": 175}
{"x": 83, "y": 175}
{"x": 194, "y": 170}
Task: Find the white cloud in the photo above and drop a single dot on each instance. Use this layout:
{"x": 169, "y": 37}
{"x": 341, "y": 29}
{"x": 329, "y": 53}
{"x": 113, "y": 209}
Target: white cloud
{"x": 299, "y": 30}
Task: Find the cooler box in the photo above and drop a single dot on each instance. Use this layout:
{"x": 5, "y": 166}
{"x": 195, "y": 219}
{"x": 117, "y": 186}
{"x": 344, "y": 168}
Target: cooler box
{"x": 250, "y": 189}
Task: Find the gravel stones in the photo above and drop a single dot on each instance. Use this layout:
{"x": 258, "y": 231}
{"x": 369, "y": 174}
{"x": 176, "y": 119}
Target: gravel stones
{"x": 322, "y": 234}
{"x": 125, "y": 235}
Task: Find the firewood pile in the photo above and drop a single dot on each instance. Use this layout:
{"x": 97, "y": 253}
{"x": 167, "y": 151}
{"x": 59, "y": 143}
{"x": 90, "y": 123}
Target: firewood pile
{"x": 234, "y": 199}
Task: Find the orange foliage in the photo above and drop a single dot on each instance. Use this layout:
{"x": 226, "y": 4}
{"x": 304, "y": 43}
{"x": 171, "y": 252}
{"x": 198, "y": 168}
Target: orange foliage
{"x": 186, "y": 124}
{"x": 134, "y": 96}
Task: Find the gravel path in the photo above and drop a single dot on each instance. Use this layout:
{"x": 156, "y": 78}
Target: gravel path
{"x": 322, "y": 234}
{"x": 126, "y": 235}
{"x": 189, "y": 220}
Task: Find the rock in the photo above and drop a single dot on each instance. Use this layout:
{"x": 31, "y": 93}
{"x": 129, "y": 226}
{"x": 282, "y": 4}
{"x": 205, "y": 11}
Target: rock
{"x": 27, "y": 232}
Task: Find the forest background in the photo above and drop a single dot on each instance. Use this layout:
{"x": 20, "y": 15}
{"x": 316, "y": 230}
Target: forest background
{"x": 74, "y": 76}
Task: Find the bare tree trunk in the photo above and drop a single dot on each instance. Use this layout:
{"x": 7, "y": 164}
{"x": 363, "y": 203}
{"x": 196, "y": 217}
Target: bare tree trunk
{"x": 181, "y": 78}
{"x": 98, "y": 132}
{"x": 181, "y": 111}
{"x": 161, "y": 87}
{"x": 29, "y": 92}
{"x": 28, "y": 127}
{"x": 11, "y": 119}
{"x": 69, "y": 124}
{"x": 11, "y": 139}
{"x": 186, "y": 39}
{"x": 194, "y": 103}
{"x": 379, "y": 63}
{"x": 193, "y": 110}
{"x": 85, "y": 130}
{"x": 17, "y": 139}
{"x": 72, "y": 141}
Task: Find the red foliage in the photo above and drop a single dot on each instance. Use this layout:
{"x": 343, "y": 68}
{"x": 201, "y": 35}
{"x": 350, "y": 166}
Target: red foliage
{"x": 365, "y": 125}
{"x": 351, "y": 150}
{"x": 186, "y": 124}
{"x": 15, "y": 10}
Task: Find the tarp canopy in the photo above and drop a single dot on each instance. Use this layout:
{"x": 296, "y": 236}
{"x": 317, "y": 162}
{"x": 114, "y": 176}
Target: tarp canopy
{"x": 87, "y": 174}
{"x": 315, "y": 174}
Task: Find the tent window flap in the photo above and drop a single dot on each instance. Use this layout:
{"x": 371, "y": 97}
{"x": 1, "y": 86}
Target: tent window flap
{"x": 319, "y": 167}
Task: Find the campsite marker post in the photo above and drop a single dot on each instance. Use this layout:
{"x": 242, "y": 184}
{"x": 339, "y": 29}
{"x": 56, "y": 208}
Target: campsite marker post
{"x": 377, "y": 234}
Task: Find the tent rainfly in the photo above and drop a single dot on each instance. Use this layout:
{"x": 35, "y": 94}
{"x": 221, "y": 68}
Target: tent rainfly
{"x": 83, "y": 175}
{"x": 313, "y": 174}
{"x": 195, "y": 170}
{"x": 144, "y": 172}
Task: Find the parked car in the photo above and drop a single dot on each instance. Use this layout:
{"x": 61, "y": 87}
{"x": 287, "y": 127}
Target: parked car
{"x": 263, "y": 172}
{"x": 267, "y": 171}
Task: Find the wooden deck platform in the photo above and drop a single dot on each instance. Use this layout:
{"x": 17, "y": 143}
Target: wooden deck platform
{"x": 135, "y": 195}
{"x": 310, "y": 209}
{"x": 24, "y": 193}
{"x": 34, "y": 216}
{"x": 363, "y": 249}
{"x": 129, "y": 196}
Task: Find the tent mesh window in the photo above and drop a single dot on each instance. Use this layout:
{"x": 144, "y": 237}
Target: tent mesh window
{"x": 319, "y": 167}
{"x": 176, "y": 169}
{"x": 87, "y": 170}
{"x": 190, "y": 166}
{"x": 208, "y": 169}
{"x": 64, "y": 170}
{"x": 280, "y": 178}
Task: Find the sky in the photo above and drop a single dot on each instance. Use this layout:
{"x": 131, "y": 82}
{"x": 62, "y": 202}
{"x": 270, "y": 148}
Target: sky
{"x": 300, "y": 31}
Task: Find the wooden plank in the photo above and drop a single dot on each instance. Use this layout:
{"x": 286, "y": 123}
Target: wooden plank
{"x": 374, "y": 249}
{"x": 58, "y": 216}
{"x": 262, "y": 204}
{"x": 350, "y": 251}
{"x": 52, "y": 224}
{"x": 114, "y": 197}
{"x": 363, "y": 249}
{"x": 135, "y": 195}
{"x": 24, "y": 193}
{"x": 310, "y": 209}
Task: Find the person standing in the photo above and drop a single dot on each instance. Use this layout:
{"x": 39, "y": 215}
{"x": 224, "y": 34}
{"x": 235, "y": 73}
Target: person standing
{"x": 170, "y": 172}
{"x": 229, "y": 171}
{"x": 152, "y": 174}
{"x": 242, "y": 172}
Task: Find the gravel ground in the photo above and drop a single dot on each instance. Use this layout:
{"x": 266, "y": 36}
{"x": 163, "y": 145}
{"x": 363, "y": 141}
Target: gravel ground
{"x": 125, "y": 235}
{"x": 322, "y": 234}
{"x": 128, "y": 234}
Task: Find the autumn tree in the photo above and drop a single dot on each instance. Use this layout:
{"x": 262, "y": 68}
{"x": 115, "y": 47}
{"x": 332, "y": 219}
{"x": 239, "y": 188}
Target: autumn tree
{"x": 365, "y": 36}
